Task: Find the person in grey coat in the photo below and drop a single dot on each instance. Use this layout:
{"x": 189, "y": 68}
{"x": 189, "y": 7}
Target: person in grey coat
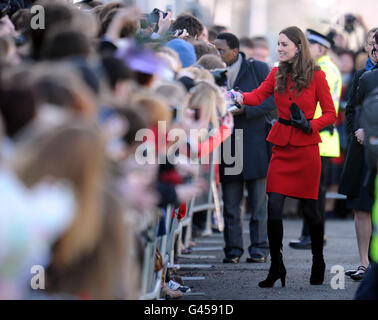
{"x": 251, "y": 153}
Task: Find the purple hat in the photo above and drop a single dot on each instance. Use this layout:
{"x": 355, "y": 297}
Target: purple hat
{"x": 140, "y": 59}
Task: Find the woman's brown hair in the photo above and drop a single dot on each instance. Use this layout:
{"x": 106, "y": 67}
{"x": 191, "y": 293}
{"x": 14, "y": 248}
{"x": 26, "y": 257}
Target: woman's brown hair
{"x": 46, "y": 155}
{"x": 301, "y": 68}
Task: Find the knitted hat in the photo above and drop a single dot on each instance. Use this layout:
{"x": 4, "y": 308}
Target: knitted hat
{"x": 185, "y": 51}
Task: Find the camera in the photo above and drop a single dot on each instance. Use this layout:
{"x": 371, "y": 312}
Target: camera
{"x": 350, "y": 20}
{"x": 220, "y": 76}
{"x": 155, "y": 15}
{"x": 231, "y": 97}
{"x": 150, "y": 20}
{"x": 179, "y": 32}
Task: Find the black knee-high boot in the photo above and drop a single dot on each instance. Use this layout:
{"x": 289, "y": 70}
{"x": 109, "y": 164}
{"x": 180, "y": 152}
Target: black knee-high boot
{"x": 318, "y": 264}
{"x": 277, "y": 269}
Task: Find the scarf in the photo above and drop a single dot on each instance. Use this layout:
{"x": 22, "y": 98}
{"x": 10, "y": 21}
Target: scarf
{"x": 233, "y": 71}
{"x": 369, "y": 65}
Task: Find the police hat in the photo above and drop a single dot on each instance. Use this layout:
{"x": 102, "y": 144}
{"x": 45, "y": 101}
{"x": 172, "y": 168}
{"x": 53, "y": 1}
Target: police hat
{"x": 316, "y": 37}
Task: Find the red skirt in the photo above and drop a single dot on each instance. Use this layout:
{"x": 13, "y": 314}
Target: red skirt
{"x": 295, "y": 171}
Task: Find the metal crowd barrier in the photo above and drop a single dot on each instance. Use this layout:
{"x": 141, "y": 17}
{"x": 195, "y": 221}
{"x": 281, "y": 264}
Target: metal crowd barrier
{"x": 171, "y": 243}
{"x": 150, "y": 283}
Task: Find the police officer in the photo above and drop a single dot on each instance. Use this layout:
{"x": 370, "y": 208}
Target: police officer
{"x": 330, "y": 145}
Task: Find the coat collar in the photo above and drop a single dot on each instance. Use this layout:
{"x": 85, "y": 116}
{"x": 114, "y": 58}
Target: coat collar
{"x": 243, "y": 69}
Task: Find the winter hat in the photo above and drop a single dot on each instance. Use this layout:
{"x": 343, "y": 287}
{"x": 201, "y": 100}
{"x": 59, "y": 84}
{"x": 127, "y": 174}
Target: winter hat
{"x": 140, "y": 59}
{"x": 185, "y": 51}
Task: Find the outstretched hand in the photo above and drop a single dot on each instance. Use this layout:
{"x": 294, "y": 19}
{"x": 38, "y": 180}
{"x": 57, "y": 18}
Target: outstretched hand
{"x": 239, "y": 98}
{"x": 164, "y": 23}
{"x": 228, "y": 121}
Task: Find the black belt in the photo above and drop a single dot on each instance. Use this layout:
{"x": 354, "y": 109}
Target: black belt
{"x": 286, "y": 122}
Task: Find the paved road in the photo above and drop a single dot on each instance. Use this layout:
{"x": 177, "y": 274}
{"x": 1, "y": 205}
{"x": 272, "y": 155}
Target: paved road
{"x": 239, "y": 281}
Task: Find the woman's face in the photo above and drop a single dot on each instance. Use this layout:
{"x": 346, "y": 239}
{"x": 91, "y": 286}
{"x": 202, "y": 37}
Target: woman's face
{"x": 286, "y": 48}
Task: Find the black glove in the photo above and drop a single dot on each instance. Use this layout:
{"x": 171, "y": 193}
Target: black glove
{"x": 330, "y": 129}
{"x": 298, "y": 119}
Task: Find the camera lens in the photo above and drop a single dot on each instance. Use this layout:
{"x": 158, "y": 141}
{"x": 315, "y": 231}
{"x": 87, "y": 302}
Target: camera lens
{"x": 349, "y": 23}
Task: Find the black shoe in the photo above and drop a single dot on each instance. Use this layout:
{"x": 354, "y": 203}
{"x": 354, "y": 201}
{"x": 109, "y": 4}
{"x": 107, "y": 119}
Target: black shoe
{"x": 275, "y": 273}
{"x": 231, "y": 260}
{"x": 317, "y": 272}
{"x": 304, "y": 242}
{"x": 350, "y": 272}
{"x": 257, "y": 260}
{"x": 359, "y": 274}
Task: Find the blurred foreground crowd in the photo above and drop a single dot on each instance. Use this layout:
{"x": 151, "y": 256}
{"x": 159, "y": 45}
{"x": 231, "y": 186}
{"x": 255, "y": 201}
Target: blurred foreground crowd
{"x": 75, "y": 94}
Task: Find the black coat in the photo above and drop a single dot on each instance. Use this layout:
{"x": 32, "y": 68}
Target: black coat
{"x": 352, "y": 174}
{"x": 254, "y": 125}
{"x": 368, "y": 82}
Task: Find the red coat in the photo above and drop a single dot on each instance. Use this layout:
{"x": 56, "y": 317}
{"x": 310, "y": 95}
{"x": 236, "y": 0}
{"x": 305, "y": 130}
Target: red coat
{"x": 294, "y": 169}
{"x": 280, "y": 134}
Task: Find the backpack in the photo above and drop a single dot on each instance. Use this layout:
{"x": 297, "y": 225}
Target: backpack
{"x": 369, "y": 122}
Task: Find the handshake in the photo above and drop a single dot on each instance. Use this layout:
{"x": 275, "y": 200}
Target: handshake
{"x": 234, "y": 98}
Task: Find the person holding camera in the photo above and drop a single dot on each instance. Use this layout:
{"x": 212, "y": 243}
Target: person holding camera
{"x": 253, "y": 152}
{"x": 298, "y": 85}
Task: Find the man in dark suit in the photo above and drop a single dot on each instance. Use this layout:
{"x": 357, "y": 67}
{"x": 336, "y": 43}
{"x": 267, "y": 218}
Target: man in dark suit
{"x": 253, "y": 153}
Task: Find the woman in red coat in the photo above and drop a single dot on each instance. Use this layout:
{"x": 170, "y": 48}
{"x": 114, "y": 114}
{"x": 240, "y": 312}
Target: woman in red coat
{"x": 298, "y": 85}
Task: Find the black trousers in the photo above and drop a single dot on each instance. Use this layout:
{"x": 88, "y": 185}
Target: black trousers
{"x": 368, "y": 289}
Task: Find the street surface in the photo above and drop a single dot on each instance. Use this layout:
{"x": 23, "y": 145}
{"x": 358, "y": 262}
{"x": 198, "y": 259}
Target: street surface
{"x": 240, "y": 281}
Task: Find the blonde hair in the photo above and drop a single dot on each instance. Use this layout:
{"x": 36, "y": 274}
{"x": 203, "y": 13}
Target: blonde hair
{"x": 171, "y": 91}
{"x": 208, "y": 97}
{"x": 197, "y": 74}
{"x": 156, "y": 107}
{"x": 171, "y": 58}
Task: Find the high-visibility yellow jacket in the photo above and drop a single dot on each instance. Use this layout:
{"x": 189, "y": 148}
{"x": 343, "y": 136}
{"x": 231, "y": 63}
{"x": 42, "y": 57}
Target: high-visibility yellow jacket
{"x": 374, "y": 218}
{"x": 330, "y": 145}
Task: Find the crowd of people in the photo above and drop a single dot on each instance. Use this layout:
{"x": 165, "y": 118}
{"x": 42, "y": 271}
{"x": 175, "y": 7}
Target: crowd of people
{"x": 156, "y": 97}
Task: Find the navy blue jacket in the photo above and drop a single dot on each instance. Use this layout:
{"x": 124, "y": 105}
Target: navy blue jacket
{"x": 254, "y": 125}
